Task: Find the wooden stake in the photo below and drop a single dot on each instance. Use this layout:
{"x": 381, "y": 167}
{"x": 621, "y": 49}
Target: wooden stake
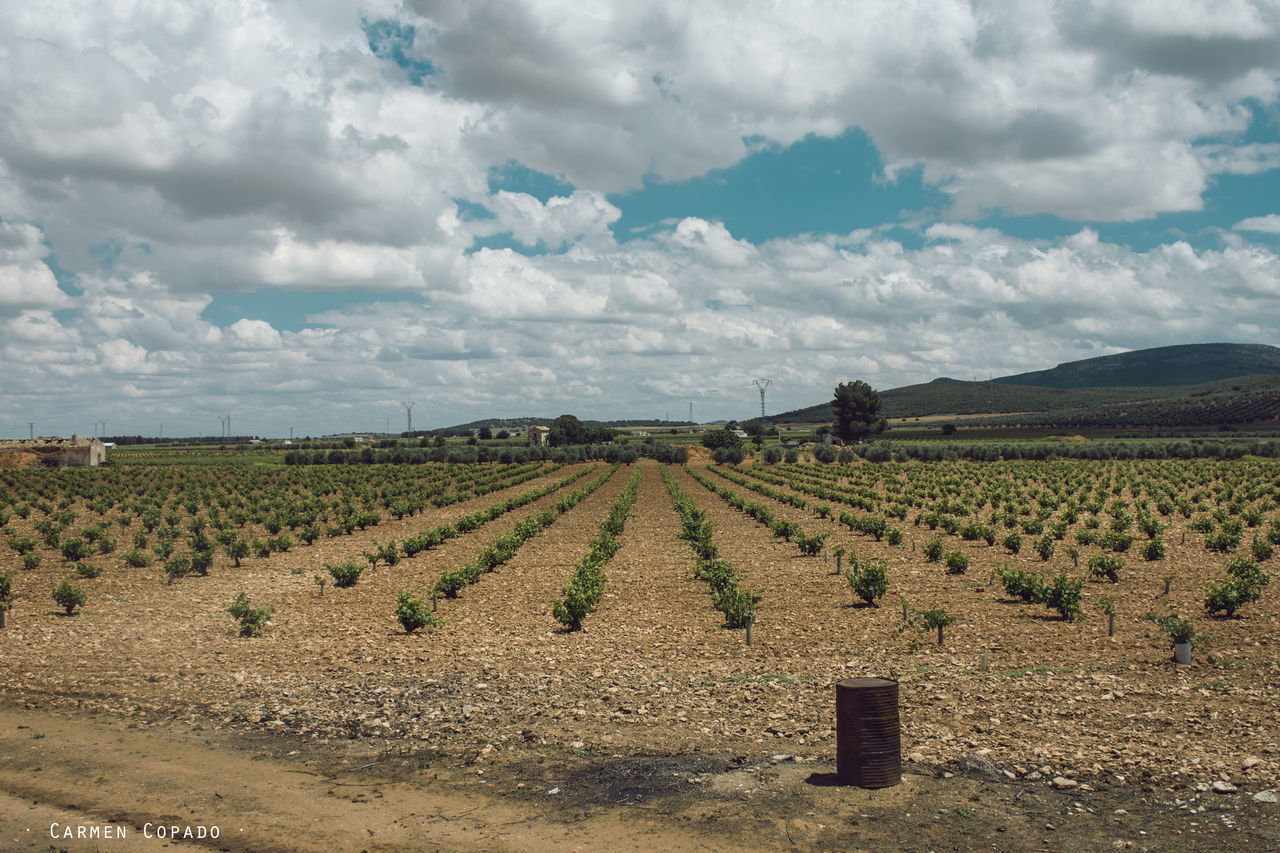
{"x": 750, "y": 621}
{"x": 983, "y": 664}
{"x": 1111, "y": 624}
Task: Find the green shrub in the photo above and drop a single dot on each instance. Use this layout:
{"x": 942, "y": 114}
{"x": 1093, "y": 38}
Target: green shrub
{"x": 810, "y": 546}
{"x": 1064, "y": 595}
{"x": 22, "y": 544}
{"x": 74, "y": 549}
{"x": 69, "y": 596}
{"x": 136, "y": 559}
{"x": 1178, "y": 629}
{"x": 871, "y": 582}
{"x": 933, "y": 549}
{"x": 957, "y": 563}
{"x": 87, "y": 571}
{"x": 178, "y": 566}
{"x": 936, "y": 619}
{"x": 1013, "y": 542}
{"x": 1261, "y": 549}
{"x": 237, "y": 550}
{"x": 1222, "y": 541}
{"x": 1249, "y": 571}
{"x": 450, "y": 583}
{"x": 1045, "y": 546}
{"x": 31, "y": 562}
{"x": 1231, "y": 595}
{"x": 736, "y": 605}
{"x": 201, "y": 562}
{"x": 345, "y": 573}
{"x": 1153, "y": 550}
{"x": 252, "y": 619}
{"x": 413, "y": 613}
{"x": 786, "y": 529}
{"x": 6, "y": 591}
{"x": 1106, "y": 566}
{"x": 1020, "y": 584}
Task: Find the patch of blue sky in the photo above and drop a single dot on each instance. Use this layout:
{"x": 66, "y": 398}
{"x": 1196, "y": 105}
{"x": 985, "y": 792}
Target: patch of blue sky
{"x": 287, "y": 310}
{"x": 392, "y": 41}
{"x": 65, "y": 278}
{"x": 819, "y": 185}
{"x": 506, "y": 240}
{"x": 470, "y": 211}
{"x": 516, "y": 177}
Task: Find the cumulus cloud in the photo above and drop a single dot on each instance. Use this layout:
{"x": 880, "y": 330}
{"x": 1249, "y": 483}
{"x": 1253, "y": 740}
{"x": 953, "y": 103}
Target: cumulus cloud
{"x": 167, "y": 155}
{"x": 26, "y": 282}
{"x": 1269, "y": 224}
{"x": 582, "y": 216}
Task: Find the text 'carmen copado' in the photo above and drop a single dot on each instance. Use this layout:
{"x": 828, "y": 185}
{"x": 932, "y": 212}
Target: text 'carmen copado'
{"x": 108, "y": 831}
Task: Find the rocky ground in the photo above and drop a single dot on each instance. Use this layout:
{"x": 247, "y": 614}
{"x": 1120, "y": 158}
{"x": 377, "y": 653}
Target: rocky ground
{"x": 1018, "y": 721}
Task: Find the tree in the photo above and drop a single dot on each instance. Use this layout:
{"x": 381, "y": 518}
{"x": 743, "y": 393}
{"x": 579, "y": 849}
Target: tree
{"x": 485, "y": 433}
{"x": 721, "y": 438}
{"x": 857, "y": 409}
{"x": 567, "y": 429}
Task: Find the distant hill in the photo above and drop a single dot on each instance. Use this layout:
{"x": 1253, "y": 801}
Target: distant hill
{"x": 518, "y": 425}
{"x": 1168, "y": 374}
{"x": 1189, "y": 364}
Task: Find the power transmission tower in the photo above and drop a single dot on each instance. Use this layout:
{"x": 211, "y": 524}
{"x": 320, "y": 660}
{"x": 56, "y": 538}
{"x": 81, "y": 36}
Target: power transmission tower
{"x": 31, "y": 428}
{"x": 408, "y": 410}
{"x": 762, "y": 384}
{"x": 228, "y": 426}
{"x": 223, "y": 422}
{"x": 690, "y": 411}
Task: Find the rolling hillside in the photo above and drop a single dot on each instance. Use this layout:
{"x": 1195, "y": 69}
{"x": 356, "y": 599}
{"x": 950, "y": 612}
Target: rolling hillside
{"x": 1190, "y": 364}
{"x": 1152, "y": 385}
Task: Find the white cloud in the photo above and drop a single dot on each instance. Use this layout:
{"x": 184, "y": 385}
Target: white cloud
{"x": 580, "y": 216}
{"x": 342, "y": 264}
{"x": 1269, "y": 224}
{"x": 26, "y": 282}
{"x": 174, "y": 154}
{"x": 253, "y": 334}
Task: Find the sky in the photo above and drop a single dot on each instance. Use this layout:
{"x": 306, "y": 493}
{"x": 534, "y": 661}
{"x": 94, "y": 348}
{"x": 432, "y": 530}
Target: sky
{"x": 304, "y": 216}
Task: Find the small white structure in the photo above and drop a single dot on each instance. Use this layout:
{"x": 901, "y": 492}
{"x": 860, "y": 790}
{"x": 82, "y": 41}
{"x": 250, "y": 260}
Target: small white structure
{"x": 539, "y": 435}
{"x": 53, "y": 452}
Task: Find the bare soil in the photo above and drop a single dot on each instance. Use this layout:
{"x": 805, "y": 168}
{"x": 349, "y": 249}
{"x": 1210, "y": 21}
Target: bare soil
{"x": 654, "y": 728}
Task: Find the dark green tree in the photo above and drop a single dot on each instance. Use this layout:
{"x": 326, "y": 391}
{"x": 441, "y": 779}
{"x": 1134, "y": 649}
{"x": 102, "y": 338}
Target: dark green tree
{"x": 567, "y": 429}
{"x": 857, "y": 409}
{"x": 721, "y": 438}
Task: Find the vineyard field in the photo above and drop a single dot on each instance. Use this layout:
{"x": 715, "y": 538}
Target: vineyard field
{"x": 655, "y": 713}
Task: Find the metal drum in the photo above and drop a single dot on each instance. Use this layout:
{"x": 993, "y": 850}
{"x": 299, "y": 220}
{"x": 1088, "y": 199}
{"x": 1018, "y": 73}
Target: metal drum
{"x": 868, "y": 734}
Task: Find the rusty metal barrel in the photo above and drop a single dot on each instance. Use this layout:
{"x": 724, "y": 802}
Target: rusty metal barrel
{"x": 868, "y": 733}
